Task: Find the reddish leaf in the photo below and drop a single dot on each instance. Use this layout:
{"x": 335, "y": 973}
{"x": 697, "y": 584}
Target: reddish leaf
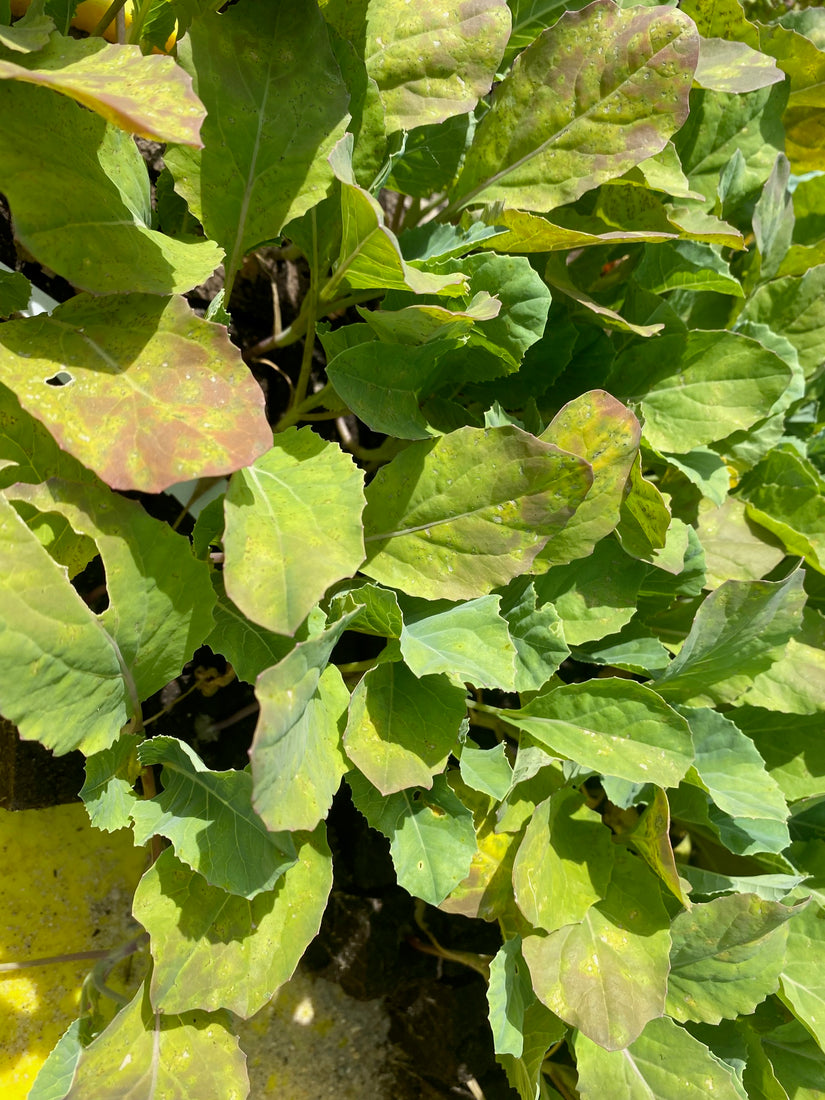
{"x": 137, "y": 388}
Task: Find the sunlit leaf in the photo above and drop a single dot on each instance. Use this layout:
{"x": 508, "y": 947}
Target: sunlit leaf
{"x": 57, "y": 156}
{"x": 734, "y": 636}
{"x": 581, "y": 131}
{"x": 146, "y": 95}
{"x": 726, "y": 957}
{"x": 160, "y": 598}
{"x": 110, "y": 776}
{"x": 293, "y": 528}
{"x": 458, "y": 516}
{"x": 215, "y": 950}
{"x": 276, "y": 105}
{"x": 698, "y": 388}
{"x": 296, "y": 755}
{"x": 563, "y": 864}
{"x": 665, "y": 1061}
{"x": 607, "y": 975}
{"x": 144, "y": 1054}
{"x": 429, "y": 62}
{"x": 143, "y": 392}
{"x": 616, "y": 727}
{"x": 210, "y": 821}
{"x": 45, "y": 690}
{"x": 401, "y": 728}
{"x": 470, "y": 640}
{"x": 430, "y": 832}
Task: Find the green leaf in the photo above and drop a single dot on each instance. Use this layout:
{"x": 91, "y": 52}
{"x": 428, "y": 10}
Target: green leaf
{"x": 537, "y": 634}
{"x": 809, "y": 214}
{"x": 401, "y": 729}
{"x": 214, "y": 950}
{"x": 427, "y": 165}
{"x": 770, "y": 887}
{"x": 370, "y": 256}
{"x": 248, "y": 647}
{"x": 685, "y": 265}
{"x": 60, "y": 679}
{"x": 731, "y": 769}
{"x": 486, "y": 770}
{"x": 150, "y": 96}
{"x": 439, "y": 241}
{"x": 531, "y": 17}
{"x": 468, "y": 640}
{"x": 794, "y": 308}
{"x": 797, "y": 1061}
{"x": 15, "y": 292}
{"x": 55, "y": 155}
{"x": 54, "y": 1078}
{"x": 110, "y": 776}
{"x": 558, "y": 276}
{"x": 650, "y": 836}
{"x": 385, "y": 384}
{"x": 431, "y": 835}
{"x": 429, "y": 63}
{"x": 509, "y": 994}
{"x": 160, "y": 596}
{"x": 698, "y": 387}
{"x": 726, "y": 66}
{"x": 418, "y": 324}
{"x": 726, "y": 957}
{"x": 525, "y": 303}
{"x": 792, "y": 746}
{"x": 722, "y": 19}
{"x": 741, "y": 835}
{"x": 804, "y": 115}
{"x": 665, "y": 1061}
{"x": 601, "y": 430}
{"x": 564, "y": 862}
{"x": 296, "y": 756}
{"x": 773, "y": 219}
{"x": 614, "y": 726}
{"x": 595, "y": 596}
{"x": 209, "y": 820}
{"x": 144, "y": 1054}
{"x": 803, "y": 974}
{"x": 607, "y": 976}
{"x": 374, "y": 609}
{"x": 305, "y": 497}
{"x": 455, "y": 517}
{"x": 785, "y": 495}
{"x": 553, "y": 134}
{"x": 31, "y": 32}
{"x": 794, "y": 683}
{"x": 297, "y": 774}
{"x": 633, "y": 648}
{"x": 523, "y": 232}
{"x": 644, "y": 517}
{"x": 542, "y": 1030}
{"x": 276, "y": 104}
{"x": 722, "y": 123}
{"x": 29, "y": 453}
{"x": 734, "y": 636}
{"x": 154, "y": 394}
{"x": 735, "y": 548}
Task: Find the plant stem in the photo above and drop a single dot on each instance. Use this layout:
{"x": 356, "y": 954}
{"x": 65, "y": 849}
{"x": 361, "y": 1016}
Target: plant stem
{"x": 108, "y": 17}
{"x": 296, "y": 412}
{"x": 293, "y": 333}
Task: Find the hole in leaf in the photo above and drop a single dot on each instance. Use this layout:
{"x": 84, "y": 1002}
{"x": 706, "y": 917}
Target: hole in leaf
{"x": 62, "y": 378}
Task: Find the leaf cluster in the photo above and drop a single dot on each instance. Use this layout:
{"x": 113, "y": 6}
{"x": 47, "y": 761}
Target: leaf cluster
{"x": 553, "y": 444}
